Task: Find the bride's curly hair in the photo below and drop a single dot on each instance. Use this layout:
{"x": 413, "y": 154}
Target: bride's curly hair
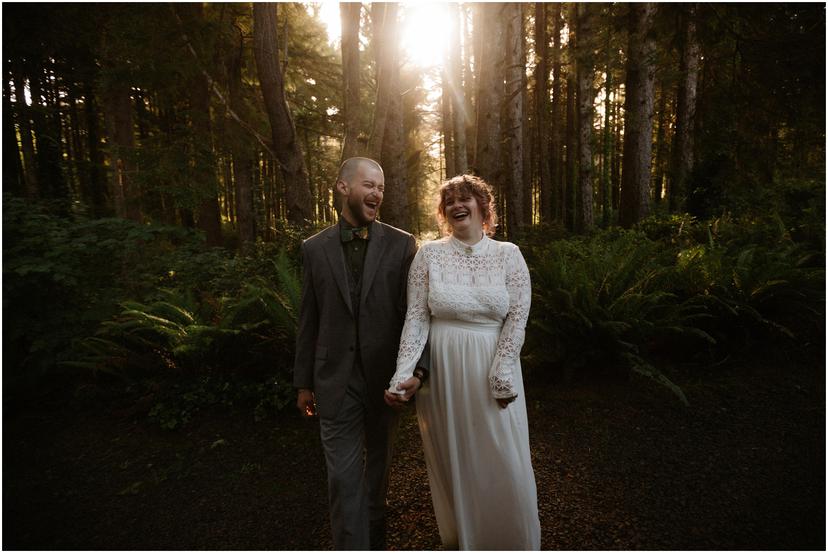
{"x": 473, "y": 186}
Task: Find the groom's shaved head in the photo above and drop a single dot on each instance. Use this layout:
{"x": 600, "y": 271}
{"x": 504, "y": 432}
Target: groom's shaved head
{"x": 349, "y": 167}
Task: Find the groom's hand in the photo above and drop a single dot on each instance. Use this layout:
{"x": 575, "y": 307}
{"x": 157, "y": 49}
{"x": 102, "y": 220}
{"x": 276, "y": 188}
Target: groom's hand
{"x": 409, "y": 387}
{"x": 305, "y": 402}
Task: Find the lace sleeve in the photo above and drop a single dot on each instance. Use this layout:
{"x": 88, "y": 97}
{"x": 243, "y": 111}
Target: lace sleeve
{"x": 507, "y": 358}
{"x": 417, "y": 320}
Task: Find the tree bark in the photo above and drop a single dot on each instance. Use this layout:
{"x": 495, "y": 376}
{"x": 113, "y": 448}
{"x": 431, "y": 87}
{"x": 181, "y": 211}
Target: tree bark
{"x": 24, "y": 123}
{"x": 285, "y": 144}
{"x": 50, "y": 177}
{"x": 13, "y": 167}
{"x": 570, "y": 188}
{"x": 75, "y": 149}
{"x": 118, "y": 107}
{"x": 586, "y": 96}
{"x": 541, "y": 112}
{"x": 97, "y": 181}
{"x": 204, "y": 183}
{"x": 606, "y": 185}
{"x": 514, "y": 66}
{"x": 349, "y": 13}
{"x": 556, "y": 199}
{"x": 241, "y": 151}
{"x": 683, "y": 157}
{"x": 459, "y": 111}
{"x": 490, "y": 93}
{"x": 394, "y": 209}
{"x": 384, "y": 17}
{"x": 618, "y": 143}
{"x": 447, "y": 121}
{"x": 661, "y": 144}
{"x": 469, "y": 82}
{"x": 635, "y": 178}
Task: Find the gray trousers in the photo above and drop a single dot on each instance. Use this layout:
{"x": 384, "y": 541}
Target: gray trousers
{"x": 357, "y": 444}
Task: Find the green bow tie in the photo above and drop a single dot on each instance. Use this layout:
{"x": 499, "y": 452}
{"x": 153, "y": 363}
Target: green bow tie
{"x": 348, "y": 234}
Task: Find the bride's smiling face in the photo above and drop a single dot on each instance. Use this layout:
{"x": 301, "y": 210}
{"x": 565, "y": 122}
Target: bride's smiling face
{"x": 463, "y": 213}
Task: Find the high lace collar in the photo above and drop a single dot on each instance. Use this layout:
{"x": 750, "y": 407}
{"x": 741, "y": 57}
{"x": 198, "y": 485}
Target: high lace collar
{"x": 467, "y": 249}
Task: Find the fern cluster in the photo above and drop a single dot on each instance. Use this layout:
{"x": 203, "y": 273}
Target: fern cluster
{"x": 675, "y": 289}
{"x": 250, "y": 331}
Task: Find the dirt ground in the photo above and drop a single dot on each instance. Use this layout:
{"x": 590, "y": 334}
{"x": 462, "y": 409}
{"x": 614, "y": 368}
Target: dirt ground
{"x": 618, "y": 466}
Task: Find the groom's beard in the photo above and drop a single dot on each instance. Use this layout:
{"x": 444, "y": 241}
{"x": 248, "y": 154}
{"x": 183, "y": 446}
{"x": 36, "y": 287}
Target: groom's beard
{"x": 358, "y": 209}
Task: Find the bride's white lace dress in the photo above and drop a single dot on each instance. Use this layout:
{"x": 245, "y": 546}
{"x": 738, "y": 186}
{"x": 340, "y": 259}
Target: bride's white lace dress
{"x": 471, "y": 304}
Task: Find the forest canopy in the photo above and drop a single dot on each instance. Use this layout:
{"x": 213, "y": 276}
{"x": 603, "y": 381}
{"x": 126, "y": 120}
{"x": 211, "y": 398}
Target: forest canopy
{"x": 222, "y": 116}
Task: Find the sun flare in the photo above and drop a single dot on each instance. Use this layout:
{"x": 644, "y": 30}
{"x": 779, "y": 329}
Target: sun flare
{"x": 423, "y": 32}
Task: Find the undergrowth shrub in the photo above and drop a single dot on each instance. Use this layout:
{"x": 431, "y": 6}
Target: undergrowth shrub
{"x": 674, "y": 289}
{"x": 114, "y": 297}
{"x": 62, "y": 276}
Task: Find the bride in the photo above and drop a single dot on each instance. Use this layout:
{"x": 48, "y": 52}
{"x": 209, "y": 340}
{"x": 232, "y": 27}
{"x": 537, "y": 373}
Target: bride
{"x": 468, "y": 298}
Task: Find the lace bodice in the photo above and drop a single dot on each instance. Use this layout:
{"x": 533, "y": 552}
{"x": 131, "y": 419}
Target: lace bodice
{"x": 485, "y": 283}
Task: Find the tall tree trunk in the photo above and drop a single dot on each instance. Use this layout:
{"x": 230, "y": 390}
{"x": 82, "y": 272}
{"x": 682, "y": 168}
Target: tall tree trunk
{"x": 541, "y": 112}
{"x": 118, "y": 107}
{"x": 24, "y": 123}
{"x": 47, "y": 134}
{"x": 349, "y": 13}
{"x": 617, "y": 152}
{"x": 469, "y": 81}
{"x": 285, "y": 144}
{"x": 13, "y": 167}
{"x": 556, "y": 199}
{"x": 460, "y": 114}
{"x": 606, "y": 185}
{"x": 586, "y": 96}
{"x": 97, "y": 180}
{"x": 384, "y": 17}
{"x": 490, "y": 94}
{"x": 682, "y": 162}
{"x": 447, "y": 120}
{"x": 570, "y": 188}
{"x": 242, "y": 152}
{"x": 514, "y": 66}
{"x": 392, "y": 154}
{"x": 661, "y": 144}
{"x": 638, "y": 127}
{"x": 74, "y": 144}
{"x": 204, "y": 167}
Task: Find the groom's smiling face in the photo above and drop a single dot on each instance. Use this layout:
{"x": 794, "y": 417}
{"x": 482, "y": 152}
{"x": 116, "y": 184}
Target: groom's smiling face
{"x": 363, "y": 194}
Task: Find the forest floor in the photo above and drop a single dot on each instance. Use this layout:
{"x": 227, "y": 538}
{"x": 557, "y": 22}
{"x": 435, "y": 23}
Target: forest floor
{"x": 618, "y": 466}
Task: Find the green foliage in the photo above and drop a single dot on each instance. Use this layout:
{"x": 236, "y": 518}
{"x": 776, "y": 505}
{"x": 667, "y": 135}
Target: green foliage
{"x": 179, "y": 403}
{"x": 61, "y": 277}
{"x": 251, "y": 332}
{"x": 113, "y": 297}
{"x": 599, "y": 303}
{"x": 674, "y": 288}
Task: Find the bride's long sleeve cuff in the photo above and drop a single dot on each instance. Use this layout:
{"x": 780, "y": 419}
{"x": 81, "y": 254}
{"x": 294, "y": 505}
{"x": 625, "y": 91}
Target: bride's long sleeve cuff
{"x": 417, "y": 321}
{"x": 513, "y": 333}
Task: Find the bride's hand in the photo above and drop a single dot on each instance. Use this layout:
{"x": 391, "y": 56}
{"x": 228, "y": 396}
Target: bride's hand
{"x": 504, "y": 402}
{"x": 409, "y": 387}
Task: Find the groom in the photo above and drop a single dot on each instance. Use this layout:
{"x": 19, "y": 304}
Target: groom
{"x": 352, "y": 314}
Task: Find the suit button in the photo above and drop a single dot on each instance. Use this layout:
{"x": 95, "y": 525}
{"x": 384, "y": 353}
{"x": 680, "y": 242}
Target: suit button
{"x": 351, "y": 348}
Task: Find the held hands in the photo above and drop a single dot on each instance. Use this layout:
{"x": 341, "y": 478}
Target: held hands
{"x": 409, "y": 387}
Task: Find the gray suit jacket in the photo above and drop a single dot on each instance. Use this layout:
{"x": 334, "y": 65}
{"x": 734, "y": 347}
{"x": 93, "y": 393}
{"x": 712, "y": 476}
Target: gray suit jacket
{"x": 326, "y": 337}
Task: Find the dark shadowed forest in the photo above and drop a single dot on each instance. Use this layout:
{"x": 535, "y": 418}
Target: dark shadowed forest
{"x": 661, "y": 166}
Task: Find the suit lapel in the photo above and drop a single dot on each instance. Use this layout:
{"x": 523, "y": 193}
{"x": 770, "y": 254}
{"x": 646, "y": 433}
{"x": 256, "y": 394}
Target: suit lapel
{"x": 373, "y": 255}
{"x": 336, "y": 259}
